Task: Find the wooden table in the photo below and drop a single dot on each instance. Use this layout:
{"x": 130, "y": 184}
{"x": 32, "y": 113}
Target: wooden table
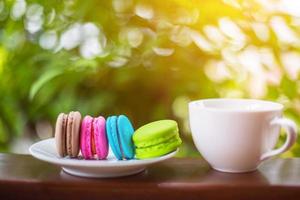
{"x": 23, "y": 177}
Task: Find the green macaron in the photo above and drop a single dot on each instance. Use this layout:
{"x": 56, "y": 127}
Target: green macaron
{"x": 156, "y": 139}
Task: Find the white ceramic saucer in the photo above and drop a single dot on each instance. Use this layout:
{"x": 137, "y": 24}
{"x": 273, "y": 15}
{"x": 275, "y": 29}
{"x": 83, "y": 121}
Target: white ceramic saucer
{"x": 45, "y": 150}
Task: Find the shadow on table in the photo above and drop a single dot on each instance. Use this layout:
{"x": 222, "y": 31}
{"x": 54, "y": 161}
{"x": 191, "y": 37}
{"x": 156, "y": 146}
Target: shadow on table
{"x": 186, "y": 173}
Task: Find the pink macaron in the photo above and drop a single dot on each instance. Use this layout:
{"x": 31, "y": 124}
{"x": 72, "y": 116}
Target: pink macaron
{"x": 86, "y": 137}
{"x": 101, "y": 143}
{"x": 93, "y": 138}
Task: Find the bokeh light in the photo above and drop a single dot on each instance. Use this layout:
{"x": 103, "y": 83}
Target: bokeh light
{"x": 146, "y": 59}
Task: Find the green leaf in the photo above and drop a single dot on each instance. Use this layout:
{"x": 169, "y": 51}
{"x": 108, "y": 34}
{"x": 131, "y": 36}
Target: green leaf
{"x": 289, "y": 87}
{"x": 43, "y": 79}
{"x": 3, "y": 133}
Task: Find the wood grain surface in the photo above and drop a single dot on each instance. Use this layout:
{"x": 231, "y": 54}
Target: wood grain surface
{"x": 24, "y": 177}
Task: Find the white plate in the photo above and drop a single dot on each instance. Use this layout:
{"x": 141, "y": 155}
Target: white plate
{"x": 45, "y": 150}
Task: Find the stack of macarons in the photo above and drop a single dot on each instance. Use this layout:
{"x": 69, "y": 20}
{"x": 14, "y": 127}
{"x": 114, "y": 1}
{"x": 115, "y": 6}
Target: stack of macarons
{"x": 91, "y": 137}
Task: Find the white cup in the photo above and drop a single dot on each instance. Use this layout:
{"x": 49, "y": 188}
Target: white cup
{"x": 236, "y": 135}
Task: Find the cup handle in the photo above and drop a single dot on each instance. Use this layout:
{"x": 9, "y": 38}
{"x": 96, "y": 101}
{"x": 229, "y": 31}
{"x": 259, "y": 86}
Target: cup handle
{"x": 291, "y": 130}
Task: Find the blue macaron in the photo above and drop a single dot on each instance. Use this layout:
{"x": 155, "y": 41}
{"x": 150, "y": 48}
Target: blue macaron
{"x": 119, "y": 133}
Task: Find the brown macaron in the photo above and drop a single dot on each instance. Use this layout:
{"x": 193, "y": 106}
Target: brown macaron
{"x": 67, "y": 132}
{"x": 73, "y": 132}
{"x": 60, "y": 134}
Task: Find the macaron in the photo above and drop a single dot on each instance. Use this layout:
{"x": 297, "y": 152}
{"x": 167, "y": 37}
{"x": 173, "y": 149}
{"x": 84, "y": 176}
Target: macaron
{"x": 93, "y": 140}
{"x": 67, "y": 134}
{"x": 86, "y": 137}
{"x": 60, "y": 134}
{"x": 119, "y": 133}
{"x": 100, "y": 138}
{"x": 156, "y": 139}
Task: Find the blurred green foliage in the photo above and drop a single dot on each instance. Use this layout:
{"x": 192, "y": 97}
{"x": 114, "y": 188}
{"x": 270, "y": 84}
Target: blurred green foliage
{"x": 146, "y": 59}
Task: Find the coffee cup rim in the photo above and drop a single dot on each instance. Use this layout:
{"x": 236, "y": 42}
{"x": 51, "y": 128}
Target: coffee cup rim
{"x": 202, "y": 105}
